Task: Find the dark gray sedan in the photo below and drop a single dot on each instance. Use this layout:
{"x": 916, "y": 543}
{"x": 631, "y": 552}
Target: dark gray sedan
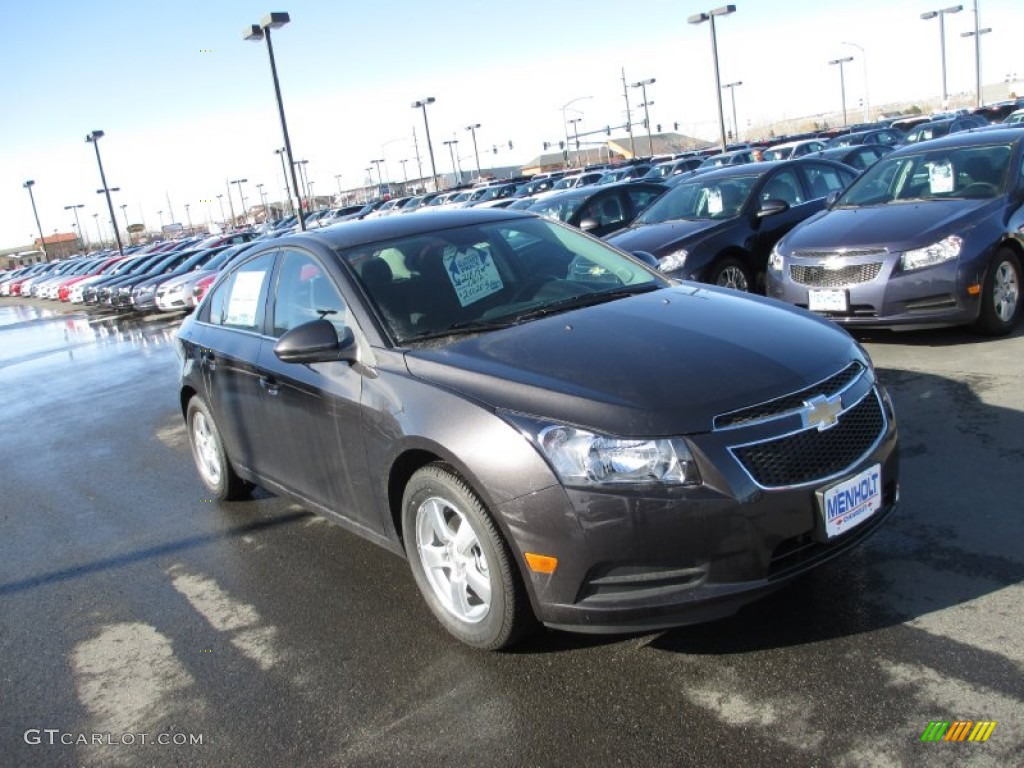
{"x": 548, "y": 429}
{"x": 930, "y": 235}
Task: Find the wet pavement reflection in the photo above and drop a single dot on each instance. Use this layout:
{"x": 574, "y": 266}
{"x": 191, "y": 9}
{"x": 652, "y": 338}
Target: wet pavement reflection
{"x": 29, "y": 333}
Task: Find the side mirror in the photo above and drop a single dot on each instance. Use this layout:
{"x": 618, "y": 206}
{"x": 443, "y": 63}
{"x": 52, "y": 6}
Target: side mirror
{"x": 772, "y": 207}
{"x": 647, "y": 258}
{"x": 589, "y": 225}
{"x": 316, "y": 342}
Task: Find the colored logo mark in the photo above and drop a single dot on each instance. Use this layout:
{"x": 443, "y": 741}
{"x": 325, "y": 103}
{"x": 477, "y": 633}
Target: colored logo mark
{"x": 958, "y": 730}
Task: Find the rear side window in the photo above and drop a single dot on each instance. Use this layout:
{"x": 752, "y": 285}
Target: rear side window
{"x": 823, "y": 179}
{"x": 238, "y": 301}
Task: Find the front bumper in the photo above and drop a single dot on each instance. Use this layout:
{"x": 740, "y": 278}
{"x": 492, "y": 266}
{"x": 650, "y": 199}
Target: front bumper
{"x": 657, "y": 559}
{"x": 879, "y": 294}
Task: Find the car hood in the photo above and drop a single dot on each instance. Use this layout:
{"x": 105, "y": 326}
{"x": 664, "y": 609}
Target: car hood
{"x": 659, "y": 237}
{"x": 663, "y": 363}
{"x": 897, "y": 226}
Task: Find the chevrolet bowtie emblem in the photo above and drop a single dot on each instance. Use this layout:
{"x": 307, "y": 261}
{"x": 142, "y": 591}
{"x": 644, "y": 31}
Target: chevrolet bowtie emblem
{"x": 821, "y": 412}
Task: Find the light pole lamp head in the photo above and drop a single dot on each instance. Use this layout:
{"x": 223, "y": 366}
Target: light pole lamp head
{"x": 952, "y": 9}
{"x": 472, "y": 127}
{"x": 929, "y": 15}
{"x": 94, "y": 136}
{"x": 275, "y": 20}
{"x": 252, "y": 32}
{"x": 843, "y": 60}
{"x": 423, "y": 102}
{"x": 724, "y": 10}
{"x": 642, "y": 83}
{"x": 29, "y": 184}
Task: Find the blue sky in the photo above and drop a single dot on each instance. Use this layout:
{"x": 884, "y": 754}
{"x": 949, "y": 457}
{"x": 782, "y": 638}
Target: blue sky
{"x": 186, "y": 103}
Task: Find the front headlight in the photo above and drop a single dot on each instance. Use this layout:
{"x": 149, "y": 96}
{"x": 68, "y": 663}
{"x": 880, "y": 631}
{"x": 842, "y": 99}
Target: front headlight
{"x": 775, "y": 260}
{"x": 674, "y": 261}
{"x": 584, "y": 458}
{"x": 944, "y": 250}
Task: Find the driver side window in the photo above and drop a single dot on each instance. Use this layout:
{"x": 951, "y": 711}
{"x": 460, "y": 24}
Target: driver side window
{"x": 305, "y": 292}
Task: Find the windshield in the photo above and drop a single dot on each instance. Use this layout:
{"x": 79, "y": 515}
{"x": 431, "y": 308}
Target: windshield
{"x": 478, "y": 278}
{"x": 700, "y": 199}
{"x": 960, "y": 172}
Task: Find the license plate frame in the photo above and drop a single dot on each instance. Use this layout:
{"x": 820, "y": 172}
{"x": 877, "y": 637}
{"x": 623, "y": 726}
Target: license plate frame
{"x": 828, "y": 300}
{"x": 850, "y": 502}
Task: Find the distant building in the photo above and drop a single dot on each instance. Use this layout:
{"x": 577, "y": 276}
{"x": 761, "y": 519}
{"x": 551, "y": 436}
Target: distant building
{"x": 60, "y": 245}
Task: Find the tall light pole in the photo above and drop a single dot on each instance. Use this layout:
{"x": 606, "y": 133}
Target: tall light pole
{"x": 223, "y": 218}
{"x": 42, "y": 240}
{"x": 422, "y": 104}
{"x": 188, "y": 217}
{"x": 976, "y": 34}
{"x": 257, "y": 32}
{"x": 867, "y": 97}
{"x": 642, "y": 85}
{"x": 405, "y": 176}
{"x": 842, "y": 81}
{"x": 124, "y": 212}
{"x": 575, "y": 121}
{"x": 380, "y": 178}
{"x": 565, "y": 123}
{"x": 263, "y": 200}
{"x": 287, "y": 192}
{"x": 81, "y": 234}
{"x": 472, "y": 129}
{"x": 94, "y": 139}
{"x": 337, "y": 178}
{"x": 99, "y": 232}
{"x": 241, "y": 199}
{"x": 700, "y": 18}
{"x": 158, "y": 213}
{"x": 451, "y": 149}
{"x": 941, "y": 14}
{"x": 732, "y": 94}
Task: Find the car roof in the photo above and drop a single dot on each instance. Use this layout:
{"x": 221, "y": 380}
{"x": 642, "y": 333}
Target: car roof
{"x": 970, "y": 138}
{"x": 349, "y": 234}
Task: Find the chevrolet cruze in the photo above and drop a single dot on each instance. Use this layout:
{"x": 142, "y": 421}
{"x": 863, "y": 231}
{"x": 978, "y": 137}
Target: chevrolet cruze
{"x": 930, "y": 235}
{"x": 548, "y": 429}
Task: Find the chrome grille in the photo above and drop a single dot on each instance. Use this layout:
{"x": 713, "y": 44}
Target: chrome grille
{"x": 819, "y": 276}
{"x": 851, "y": 253}
{"x": 810, "y": 455}
{"x": 793, "y": 402}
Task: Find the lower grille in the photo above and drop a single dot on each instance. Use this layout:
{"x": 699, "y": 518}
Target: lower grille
{"x": 810, "y": 456}
{"x": 818, "y": 276}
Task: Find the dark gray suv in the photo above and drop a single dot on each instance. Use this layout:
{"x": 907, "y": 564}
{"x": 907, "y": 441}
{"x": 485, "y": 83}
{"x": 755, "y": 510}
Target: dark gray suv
{"x": 547, "y": 428}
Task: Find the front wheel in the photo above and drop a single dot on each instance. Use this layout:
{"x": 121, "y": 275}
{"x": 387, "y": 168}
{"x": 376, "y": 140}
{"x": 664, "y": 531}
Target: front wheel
{"x": 460, "y": 561}
{"x": 732, "y": 273}
{"x": 1000, "y": 295}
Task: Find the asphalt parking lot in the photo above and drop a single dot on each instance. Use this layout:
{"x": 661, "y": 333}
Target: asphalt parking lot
{"x": 142, "y": 624}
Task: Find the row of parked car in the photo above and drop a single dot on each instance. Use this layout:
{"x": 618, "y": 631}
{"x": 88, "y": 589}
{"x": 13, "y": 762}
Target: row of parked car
{"x": 167, "y": 276}
{"x": 737, "y": 223}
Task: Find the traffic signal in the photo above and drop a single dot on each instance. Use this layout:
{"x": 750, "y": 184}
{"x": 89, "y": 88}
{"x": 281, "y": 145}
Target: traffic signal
{"x": 608, "y": 130}
{"x": 675, "y": 126}
{"x": 510, "y": 143}
{"x": 546, "y": 145}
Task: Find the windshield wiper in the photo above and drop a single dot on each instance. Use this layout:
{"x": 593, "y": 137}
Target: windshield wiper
{"x": 585, "y": 300}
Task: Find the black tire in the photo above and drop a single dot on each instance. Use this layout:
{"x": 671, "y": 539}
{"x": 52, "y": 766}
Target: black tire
{"x": 211, "y": 460}
{"x": 1000, "y": 295}
{"x": 730, "y": 272}
{"x": 447, "y": 563}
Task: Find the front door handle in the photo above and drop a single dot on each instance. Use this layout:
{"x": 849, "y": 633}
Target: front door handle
{"x": 270, "y": 386}
{"x": 209, "y": 359}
